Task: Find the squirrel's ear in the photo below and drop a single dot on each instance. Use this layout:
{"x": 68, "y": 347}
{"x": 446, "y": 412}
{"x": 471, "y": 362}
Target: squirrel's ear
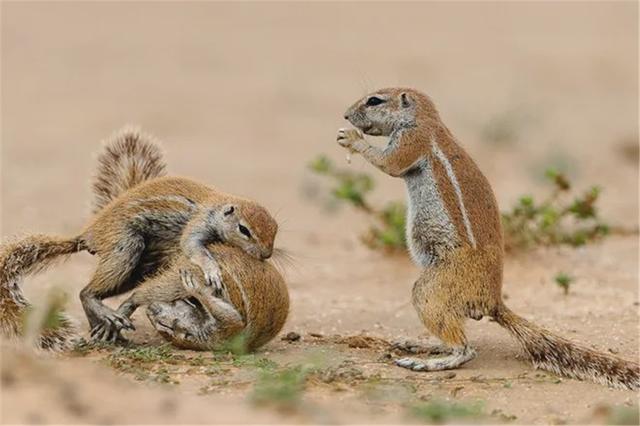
{"x": 228, "y": 210}
{"x": 406, "y": 100}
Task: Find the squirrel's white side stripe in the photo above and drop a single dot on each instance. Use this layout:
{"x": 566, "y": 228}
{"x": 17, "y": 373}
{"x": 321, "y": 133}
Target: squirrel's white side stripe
{"x": 456, "y": 186}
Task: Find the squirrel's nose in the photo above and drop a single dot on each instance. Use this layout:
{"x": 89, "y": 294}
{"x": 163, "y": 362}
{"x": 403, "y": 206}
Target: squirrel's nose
{"x": 266, "y": 254}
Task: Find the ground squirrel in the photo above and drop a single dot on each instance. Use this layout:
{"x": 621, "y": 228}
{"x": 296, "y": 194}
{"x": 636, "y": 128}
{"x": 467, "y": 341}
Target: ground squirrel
{"x": 454, "y": 233}
{"x": 254, "y": 304}
{"x": 142, "y": 219}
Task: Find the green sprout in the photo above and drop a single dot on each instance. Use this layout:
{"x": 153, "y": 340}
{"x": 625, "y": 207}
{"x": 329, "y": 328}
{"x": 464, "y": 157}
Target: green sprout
{"x": 563, "y": 281}
{"x": 387, "y": 230}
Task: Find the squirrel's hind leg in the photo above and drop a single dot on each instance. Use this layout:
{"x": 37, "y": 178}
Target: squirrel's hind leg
{"x": 437, "y": 303}
{"x": 111, "y": 277}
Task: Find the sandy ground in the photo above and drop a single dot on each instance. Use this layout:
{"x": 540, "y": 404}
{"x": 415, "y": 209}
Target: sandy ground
{"x": 243, "y": 96}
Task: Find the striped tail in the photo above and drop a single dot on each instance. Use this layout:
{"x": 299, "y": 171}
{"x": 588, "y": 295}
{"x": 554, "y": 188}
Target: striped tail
{"x": 558, "y": 355}
{"x": 26, "y": 256}
{"x": 129, "y": 158}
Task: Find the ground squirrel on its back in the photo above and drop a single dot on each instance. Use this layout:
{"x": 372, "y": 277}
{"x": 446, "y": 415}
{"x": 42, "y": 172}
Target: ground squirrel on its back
{"x": 454, "y": 233}
{"x": 254, "y": 304}
{"x": 142, "y": 221}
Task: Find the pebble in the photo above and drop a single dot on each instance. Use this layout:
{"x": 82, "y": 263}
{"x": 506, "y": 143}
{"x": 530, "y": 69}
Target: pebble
{"x": 291, "y": 336}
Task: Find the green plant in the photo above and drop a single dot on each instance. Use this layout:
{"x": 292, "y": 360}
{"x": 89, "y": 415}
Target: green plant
{"x": 145, "y": 362}
{"x": 623, "y": 416}
{"x": 236, "y": 345}
{"x": 48, "y": 318}
{"x": 387, "y": 230}
{"x": 251, "y": 360}
{"x": 282, "y": 389}
{"x": 143, "y": 354}
{"x": 554, "y": 220}
{"x": 559, "y": 219}
{"x": 563, "y": 281}
{"x": 441, "y": 411}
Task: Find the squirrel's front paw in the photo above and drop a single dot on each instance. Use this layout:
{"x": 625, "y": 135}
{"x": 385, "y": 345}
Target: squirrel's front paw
{"x": 190, "y": 283}
{"x": 213, "y": 278}
{"x": 195, "y": 288}
{"x": 347, "y": 137}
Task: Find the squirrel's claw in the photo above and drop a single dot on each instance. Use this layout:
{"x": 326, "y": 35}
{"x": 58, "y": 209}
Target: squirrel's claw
{"x": 193, "y": 287}
{"x": 109, "y": 329}
{"x": 346, "y": 137}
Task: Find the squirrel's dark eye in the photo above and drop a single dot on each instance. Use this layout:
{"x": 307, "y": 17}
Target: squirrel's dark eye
{"x": 244, "y": 231}
{"x": 229, "y": 211}
{"x": 374, "y": 100}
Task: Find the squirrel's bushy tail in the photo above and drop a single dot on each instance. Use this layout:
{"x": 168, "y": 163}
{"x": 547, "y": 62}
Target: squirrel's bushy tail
{"x": 129, "y": 158}
{"x": 558, "y": 355}
{"x": 22, "y": 257}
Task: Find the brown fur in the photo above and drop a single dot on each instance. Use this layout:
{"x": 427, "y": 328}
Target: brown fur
{"x": 254, "y": 287}
{"x": 22, "y": 257}
{"x": 462, "y": 276}
{"x": 141, "y": 223}
{"x": 138, "y": 231}
{"x": 163, "y": 196}
{"x": 130, "y": 157}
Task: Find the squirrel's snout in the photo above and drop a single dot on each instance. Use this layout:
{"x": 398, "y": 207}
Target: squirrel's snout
{"x": 348, "y": 114}
{"x": 266, "y": 253}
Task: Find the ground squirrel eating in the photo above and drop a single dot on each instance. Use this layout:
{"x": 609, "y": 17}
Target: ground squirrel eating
{"x": 254, "y": 303}
{"x": 454, "y": 233}
{"x": 142, "y": 219}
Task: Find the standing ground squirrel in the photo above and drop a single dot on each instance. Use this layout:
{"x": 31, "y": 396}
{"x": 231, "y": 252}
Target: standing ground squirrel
{"x": 454, "y": 233}
{"x": 142, "y": 220}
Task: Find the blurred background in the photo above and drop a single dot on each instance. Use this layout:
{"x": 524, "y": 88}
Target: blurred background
{"x": 244, "y": 95}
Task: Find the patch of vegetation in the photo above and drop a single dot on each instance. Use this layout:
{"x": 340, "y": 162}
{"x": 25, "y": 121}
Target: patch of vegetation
{"x": 143, "y": 354}
{"x": 439, "y": 412}
{"x": 251, "y": 360}
{"x": 387, "y": 230}
{"x": 617, "y": 415}
{"x": 623, "y": 416}
{"x": 554, "y": 220}
{"x": 561, "y": 218}
{"x": 83, "y": 347}
{"x": 49, "y": 317}
{"x": 282, "y": 389}
{"x": 563, "y": 281}
{"x": 145, "y": 362}
{"x": 236, "y": 345}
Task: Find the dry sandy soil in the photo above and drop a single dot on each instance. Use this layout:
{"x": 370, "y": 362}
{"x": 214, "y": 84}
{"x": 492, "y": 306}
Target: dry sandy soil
{"x": 243, "y": 96}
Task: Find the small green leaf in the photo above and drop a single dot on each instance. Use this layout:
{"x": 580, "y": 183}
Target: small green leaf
{"x": 563, "y": 281}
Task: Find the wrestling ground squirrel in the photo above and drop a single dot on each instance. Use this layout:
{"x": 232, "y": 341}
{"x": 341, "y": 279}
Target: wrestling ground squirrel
{"x": 142, "y": 219}
{"x": 454, "y": 233}
{"x": 254, "y": 303}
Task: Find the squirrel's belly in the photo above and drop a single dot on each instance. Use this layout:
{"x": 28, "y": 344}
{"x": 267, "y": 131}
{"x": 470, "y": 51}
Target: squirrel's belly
{"x": 430, "y": 230}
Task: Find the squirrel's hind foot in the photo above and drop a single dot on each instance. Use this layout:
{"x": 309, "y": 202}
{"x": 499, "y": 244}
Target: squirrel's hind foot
{"x": 108, "y": 329}
{"x": 457, "y": 357}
